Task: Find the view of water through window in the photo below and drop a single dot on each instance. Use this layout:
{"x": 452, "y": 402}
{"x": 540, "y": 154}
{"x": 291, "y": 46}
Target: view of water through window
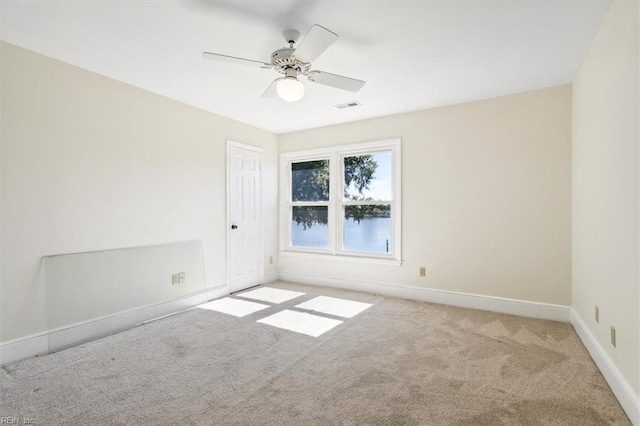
{"x": 370, "y": 235}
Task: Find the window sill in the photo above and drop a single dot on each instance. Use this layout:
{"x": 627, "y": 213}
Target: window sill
{"x": 342, "y": 258}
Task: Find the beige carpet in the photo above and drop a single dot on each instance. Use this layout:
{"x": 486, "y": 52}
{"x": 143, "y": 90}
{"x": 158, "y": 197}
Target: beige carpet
{"x": 398, "y": 362}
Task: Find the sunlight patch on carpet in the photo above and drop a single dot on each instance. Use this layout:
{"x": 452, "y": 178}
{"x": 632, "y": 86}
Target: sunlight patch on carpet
{"x": 271, "y": 295}
{"x": 235, "y": 307}
{"x": 334, "y": 306}
{"x": 300, "y": 322}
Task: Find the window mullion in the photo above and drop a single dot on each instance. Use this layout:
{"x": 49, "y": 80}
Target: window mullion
{"x": 368, "y": 203}
{"x": 309, "y": 203}
{"x": 334, "y": 197}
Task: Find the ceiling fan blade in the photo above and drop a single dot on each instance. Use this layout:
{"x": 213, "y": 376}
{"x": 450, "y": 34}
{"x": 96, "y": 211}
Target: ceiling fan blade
{"x": 235, "y": 59}
{"x": 335, "y": 80}
{"x": 317, "y": 40}
{"x": 271, "y": 90}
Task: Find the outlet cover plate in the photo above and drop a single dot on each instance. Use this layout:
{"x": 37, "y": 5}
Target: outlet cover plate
{"x": 613, "y": 336}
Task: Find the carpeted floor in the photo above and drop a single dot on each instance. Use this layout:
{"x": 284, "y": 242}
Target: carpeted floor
{"x": 398, "y": 362}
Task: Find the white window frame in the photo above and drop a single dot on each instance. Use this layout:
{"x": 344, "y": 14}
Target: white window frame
{"x": 336, "y": 203}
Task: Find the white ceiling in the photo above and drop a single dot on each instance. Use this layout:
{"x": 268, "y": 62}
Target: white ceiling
{"x": 413, "y": 54}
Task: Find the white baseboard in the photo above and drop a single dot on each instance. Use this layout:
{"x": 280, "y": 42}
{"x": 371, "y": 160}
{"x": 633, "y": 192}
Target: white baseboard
{"x": 270, "y": 277}
{"x": 466, "y": 300}
{"x": 54, "y": 340}
{"x": 13, "y": 350}
{"x": 629, "y": 401}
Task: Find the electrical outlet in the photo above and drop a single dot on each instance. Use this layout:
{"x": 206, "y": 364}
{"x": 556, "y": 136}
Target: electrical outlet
{"x": 423, "y": 271}
{"x": 613, "y": 336}
{"x": 175, "y": 279}
{"x": 596, "y": 313}
{"x": 182, "y": 278}
{"x": 270, "y": 260}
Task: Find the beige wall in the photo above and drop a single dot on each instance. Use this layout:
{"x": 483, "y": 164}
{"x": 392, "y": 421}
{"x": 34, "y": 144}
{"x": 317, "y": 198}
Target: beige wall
{"x": 89, "y": 163}
{"x": 606, "y": 188}
{"x": 486, "y": 197}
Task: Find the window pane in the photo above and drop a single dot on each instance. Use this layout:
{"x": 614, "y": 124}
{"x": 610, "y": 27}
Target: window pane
{"x": 367, "y": 228}
{"x": 368, "y": 177}
{"x": 310, "y": 181}
{"x": 309, "y": 227}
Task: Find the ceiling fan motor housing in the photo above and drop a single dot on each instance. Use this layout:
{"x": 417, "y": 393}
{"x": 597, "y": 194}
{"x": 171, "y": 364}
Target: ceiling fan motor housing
{"x": 282, "y": 59}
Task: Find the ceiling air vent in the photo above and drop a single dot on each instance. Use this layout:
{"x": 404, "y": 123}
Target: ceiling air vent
{"x": 348, "y": 105}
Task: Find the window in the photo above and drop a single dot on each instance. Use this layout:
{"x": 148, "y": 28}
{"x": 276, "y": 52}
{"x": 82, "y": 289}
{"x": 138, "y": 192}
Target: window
{"x": 309, "y": 206}
{"x": 343, "y": 201}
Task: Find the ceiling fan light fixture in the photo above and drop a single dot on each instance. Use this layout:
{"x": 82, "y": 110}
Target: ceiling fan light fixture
{"x": 290, "y": 89}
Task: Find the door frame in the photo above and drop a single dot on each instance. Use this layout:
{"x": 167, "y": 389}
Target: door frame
{"x": 260, "y": 151}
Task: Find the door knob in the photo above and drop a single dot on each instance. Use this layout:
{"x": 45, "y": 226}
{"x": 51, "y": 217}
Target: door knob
{"x": 234, "y": 226}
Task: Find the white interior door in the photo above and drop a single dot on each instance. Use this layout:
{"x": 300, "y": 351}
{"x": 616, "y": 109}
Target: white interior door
{"x": 244, "y": 242}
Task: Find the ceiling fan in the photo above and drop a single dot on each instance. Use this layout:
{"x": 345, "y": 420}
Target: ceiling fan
{"x": 294, "y": 61}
